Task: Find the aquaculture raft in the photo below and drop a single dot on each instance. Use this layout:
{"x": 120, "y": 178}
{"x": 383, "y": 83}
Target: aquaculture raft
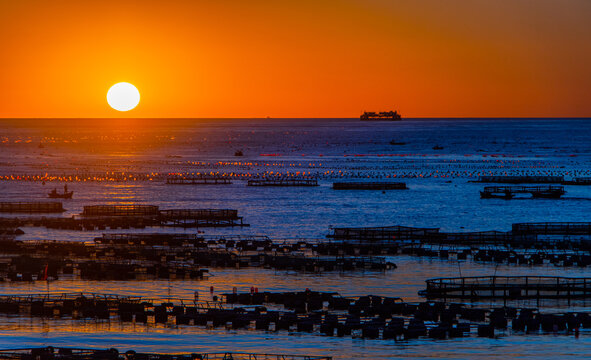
{"x": 283, "y": 182}
{"x": 200, "y": 217}
{"x": 32, "y": 207}
{"x": 508, "y": 192}
{"x": 508, "y": 287}
{"x": 369, "y": 186}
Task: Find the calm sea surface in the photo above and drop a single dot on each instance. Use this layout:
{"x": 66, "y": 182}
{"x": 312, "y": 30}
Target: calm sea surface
{"x": 127, "y": 161}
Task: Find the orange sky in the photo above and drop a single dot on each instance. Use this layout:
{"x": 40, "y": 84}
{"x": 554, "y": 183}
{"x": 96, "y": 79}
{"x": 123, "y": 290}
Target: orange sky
{"x": 300, "y": 58}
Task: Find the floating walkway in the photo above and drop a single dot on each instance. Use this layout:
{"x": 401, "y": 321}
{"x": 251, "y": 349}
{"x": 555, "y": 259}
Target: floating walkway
{"x": 31, "y": 207}
{"x": 508, "y": 287}
{"x": 283, "y": 182}
{"x": 509, "y": 192}
{"x": 369, "y": 186}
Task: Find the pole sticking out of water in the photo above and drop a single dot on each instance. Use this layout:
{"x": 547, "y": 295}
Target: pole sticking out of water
{"x": 46, "y": 277}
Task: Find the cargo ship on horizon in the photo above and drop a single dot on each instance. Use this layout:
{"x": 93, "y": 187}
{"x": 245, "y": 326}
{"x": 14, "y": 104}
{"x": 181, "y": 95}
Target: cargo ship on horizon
{"x": 380, "y": 116}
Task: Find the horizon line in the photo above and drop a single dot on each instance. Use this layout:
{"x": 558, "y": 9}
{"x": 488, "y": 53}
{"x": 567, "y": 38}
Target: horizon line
{"x": 292, "y": 118}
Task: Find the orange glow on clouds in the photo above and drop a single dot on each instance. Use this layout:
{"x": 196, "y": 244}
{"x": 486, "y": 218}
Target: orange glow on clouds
{"x": 306, "y": 58}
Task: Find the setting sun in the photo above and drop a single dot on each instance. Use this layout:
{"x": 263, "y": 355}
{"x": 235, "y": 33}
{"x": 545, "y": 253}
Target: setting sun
{"x": 123, "y": 96}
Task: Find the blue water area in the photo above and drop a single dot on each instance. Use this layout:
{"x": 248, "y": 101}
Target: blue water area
{"x": 107, "y": 162}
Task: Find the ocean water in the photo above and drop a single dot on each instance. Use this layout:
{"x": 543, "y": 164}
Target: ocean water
{"x": 127, "y": 161}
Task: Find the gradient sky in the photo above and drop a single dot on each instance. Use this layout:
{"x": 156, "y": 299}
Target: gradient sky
{"x": 300, "y": 58}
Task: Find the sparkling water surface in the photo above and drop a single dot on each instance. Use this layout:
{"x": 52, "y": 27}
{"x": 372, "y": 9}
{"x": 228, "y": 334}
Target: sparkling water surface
{"x": 440, "y": 195}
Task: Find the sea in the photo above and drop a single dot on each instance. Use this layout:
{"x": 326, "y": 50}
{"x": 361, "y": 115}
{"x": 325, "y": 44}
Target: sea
{"x": 127, "y": 161}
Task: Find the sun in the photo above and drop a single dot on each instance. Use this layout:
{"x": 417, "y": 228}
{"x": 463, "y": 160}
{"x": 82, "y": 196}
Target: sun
{"x": 123, "y": 96}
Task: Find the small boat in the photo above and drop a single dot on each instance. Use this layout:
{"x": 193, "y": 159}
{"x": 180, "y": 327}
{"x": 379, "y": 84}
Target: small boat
{"x": 55, "y": 195}
{"x": 238, "y": 153}
{"x": 437, "y": 147}
{"x": 394, "y": 142}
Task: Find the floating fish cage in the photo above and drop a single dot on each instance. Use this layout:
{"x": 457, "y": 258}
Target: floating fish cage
{"x": 472, "y": 238}
{"x": 327, "y": 263}
{"x": 322, "y": 313}
{"x": 369, "y": 186}
{"x": 508, "y": 192}
{"x": 200, "y": 217}
{"x": 80, "y": 224}
{"x": 390, "y": 233}
{"x": 522, "y": 179}
{"x": 205, "y": 214}
{"x": 121, "y": 210}
{"x": 509, "y": 287}
{"x": 174, "y": 239}
{"x": 552, "y": 228}
{"x": 574, "y": 236}
{"x": 578, "y": 181}
{"x": 170, "y": 239}
{"x": 31, "y": 207}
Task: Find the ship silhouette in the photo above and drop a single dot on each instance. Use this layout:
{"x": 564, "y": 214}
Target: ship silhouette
{"x": 382, "y": 116}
